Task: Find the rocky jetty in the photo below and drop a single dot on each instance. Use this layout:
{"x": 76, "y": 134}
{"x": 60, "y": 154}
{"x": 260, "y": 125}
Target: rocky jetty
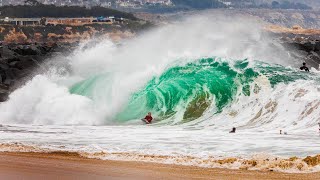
{"x": 308, "y": 49}
{"x": 301, "y": 43}
{"x": 19, "y": 61}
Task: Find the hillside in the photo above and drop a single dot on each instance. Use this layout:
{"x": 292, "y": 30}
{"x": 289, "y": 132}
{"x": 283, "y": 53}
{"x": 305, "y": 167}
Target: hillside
{"x": 40, "y": 10}
{"x": 198, "y": 4}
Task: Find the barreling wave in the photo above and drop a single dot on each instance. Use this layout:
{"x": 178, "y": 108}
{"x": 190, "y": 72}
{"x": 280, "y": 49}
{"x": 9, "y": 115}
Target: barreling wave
{"x": 187, "y": 91}
{"x": 195, "y": 101}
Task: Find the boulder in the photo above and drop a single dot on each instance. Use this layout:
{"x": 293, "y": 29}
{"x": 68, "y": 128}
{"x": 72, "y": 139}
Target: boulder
{"x": 13, "y": 59}
{"x": 26, "y": 50}
{"x": 307, "y": 46}
{"x": 7, "y": 53}
{"x": 317, "y": 46}
{"x": 18, "y": 73}
{"x": 4, "y": 96}
{"x": 4, "y": 65}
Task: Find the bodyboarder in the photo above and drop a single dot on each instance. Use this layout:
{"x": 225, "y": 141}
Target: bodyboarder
{"x": 148, "y": 119}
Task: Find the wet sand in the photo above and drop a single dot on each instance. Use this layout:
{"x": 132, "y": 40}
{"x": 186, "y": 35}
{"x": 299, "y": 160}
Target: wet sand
{"x": 56, "y": 166}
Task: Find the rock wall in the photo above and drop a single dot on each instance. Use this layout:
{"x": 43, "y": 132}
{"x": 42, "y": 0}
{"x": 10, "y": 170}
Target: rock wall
{"x": 19, "y": 61}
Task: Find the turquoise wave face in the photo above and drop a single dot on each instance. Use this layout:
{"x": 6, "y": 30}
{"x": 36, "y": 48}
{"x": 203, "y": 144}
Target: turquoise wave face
{"x": 192, "y": 88}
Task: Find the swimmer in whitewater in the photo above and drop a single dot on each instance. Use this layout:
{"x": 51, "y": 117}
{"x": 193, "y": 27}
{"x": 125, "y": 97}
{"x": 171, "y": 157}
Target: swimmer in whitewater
{"x": 233, "y": 130}
{"x": 148, "y": 119}
{"x": 304, "y": 67}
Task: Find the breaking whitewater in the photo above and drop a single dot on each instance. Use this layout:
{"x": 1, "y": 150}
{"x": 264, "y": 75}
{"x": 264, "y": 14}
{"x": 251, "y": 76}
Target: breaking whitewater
{"x": 199, "y": 78}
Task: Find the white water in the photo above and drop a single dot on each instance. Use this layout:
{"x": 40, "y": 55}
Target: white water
{"x": 131, "y": 65}
{"x": 41, "y": 112}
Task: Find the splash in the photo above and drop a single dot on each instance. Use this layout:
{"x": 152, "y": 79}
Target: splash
{"x": 199, "y": 78}
{"x": 172, "y": 76}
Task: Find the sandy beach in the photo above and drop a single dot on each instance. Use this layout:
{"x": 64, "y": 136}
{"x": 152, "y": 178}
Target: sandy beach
{"x": 71, "y": 166}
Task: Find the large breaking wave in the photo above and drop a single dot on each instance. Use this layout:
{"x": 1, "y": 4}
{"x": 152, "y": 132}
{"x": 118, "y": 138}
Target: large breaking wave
{"x": 199, "y": 78}
{"x": 191, "y": 72}
{"x": 185, "y": 92}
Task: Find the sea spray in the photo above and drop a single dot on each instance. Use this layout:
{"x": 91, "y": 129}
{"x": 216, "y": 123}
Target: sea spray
{"x": 199, "y": 77}
{"x": 111, "y": 79}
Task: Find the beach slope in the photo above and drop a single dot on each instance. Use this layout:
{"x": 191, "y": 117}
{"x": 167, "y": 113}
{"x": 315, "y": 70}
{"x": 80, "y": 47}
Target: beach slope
{"x": 71, "y": 166}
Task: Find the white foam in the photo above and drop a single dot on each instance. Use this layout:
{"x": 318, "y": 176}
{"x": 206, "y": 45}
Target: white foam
{"x": 45, "y": 100}
{"x": 41, "y": 101}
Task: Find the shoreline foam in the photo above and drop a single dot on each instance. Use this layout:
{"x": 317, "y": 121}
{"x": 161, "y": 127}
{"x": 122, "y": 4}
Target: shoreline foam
{"x": 260, "y": 162}
{"x": 71, "y": 166}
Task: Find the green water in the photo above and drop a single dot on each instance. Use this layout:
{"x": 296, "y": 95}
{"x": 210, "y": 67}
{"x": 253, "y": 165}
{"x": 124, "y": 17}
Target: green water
{"x": 192, "y": 88}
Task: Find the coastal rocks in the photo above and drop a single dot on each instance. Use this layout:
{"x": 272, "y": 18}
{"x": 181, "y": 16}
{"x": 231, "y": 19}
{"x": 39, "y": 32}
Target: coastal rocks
{"x": 301, "y": 43}
{"x": 18, "y": 61}
{"x": 306, "y": 49}
{"x": 26, "y": 50}
{"x": 308, "y": 46}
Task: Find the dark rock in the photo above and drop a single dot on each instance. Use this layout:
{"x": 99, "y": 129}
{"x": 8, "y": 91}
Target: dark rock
{"x": 4, "y": 92}
{"x": 307, "y": 46}
{"x": 8, "y": 82}
{"x": 10, "y": 74}
{"x": 13, "y": 63}
{"x": 306, "y": 49}
{"x": 44, "y": 49}
{"x": 3, "y": 76}
{"x": 27, "y": 50}
{"x": 3, "y": 88}
{"x": 313, "y": 60}
{"x": 25, "y": 64}
{"x": 6, "y": 53}
{"x": 13, "y": 59}
{"x": 4, "y": 96}
{"x": 18, "y": 63}
{"x": 4, "y": 66}
{"x": 317, "y": 46}
{"x": 18, "y": 73}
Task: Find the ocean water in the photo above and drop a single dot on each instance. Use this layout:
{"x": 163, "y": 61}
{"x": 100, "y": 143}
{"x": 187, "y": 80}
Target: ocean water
{"x": 198, "y": 81}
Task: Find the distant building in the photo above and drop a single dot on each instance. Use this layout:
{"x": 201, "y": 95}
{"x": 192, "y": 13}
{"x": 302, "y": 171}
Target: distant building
{"x": 106, "y": 4}
{"x": 90, "y": 3}
{"x": 227, "y": 3}
{"x": 23, "y": 21}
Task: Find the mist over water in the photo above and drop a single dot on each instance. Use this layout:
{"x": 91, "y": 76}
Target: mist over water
{"x": 103, "y": 78}
{"x": 199, "y": 77}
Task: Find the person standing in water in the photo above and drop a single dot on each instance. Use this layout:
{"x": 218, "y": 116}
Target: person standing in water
{"x": 148, "y": 119}
{"x": 304, "y": 67}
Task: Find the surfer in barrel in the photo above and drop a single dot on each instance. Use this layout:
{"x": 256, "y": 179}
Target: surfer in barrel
{"x": 148, "y": 119}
